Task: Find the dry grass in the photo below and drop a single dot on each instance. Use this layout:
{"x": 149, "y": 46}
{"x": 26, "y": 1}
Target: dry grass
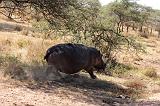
{"x": 18, "y": 28}
{"x": 135, "y": 84}
{"x": 151, "y": 72}
{"x": 25, "y": 32}
{"x": 22, "y": 57}
{"x": 158, "y": 82}
{"x": 122, "y": 70}
{"x": 15, "y": 71}
{"x": 12, "y": 67}
{"x": 37, "y": 52}
{"x": 22, "y": 43}
{"x": 7, "y": 42}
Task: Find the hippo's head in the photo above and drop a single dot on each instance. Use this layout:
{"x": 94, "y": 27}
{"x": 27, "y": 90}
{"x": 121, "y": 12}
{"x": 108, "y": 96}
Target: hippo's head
{"x": 99, "y": 63}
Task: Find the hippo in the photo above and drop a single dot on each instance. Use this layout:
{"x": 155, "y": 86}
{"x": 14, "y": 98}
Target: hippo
{"x": 71, "y": 58}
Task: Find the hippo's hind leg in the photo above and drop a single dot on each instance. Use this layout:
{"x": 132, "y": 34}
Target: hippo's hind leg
{"x": 92, "y": 75}
{"x": 90, "y": 71}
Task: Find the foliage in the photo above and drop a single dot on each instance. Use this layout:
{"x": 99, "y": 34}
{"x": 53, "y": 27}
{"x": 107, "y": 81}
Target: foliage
{"x": 119, "y": 69}
{"x": 127, "y": 13}
{"x": 41, "y": 26}
{"x": 109, "y": 41}
{"x": 23, "y": 43}
{"x": 87, "y": 21}
{"x": 4, "y": 60}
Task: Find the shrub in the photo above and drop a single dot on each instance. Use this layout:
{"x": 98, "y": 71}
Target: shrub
{"x": 23, "y": 43}
{"x": 12, "y": 67}
{"x": 119, "y": 68}
{"x": 15, "y": 71}
{"x": 150, "y": 73}
{"x": 18, "y": 28}
{"x": 5, "y": 60}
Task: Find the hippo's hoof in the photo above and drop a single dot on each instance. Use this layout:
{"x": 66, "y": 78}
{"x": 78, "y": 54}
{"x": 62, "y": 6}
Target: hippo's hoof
{"x": 76, "y": 75}
{"x": 93, "y": 77}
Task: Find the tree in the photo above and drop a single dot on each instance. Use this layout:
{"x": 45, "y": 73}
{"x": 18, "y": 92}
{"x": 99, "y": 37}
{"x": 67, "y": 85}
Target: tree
{"x": 82, "y": 19}
{"x": 53, "y": 11}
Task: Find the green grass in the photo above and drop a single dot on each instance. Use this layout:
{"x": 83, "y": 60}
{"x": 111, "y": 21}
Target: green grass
{"x": 121, "y": 69}
{"x": 23, "y": 43}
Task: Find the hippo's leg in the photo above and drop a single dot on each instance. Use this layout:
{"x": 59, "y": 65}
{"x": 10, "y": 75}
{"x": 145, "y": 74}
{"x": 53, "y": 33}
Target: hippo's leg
{"x": 92, "y": 75}
{"x": 90, "y": 71}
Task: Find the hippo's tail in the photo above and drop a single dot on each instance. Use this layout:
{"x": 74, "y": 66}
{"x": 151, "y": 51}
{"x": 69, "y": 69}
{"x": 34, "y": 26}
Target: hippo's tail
{"x": 47, "y": 55}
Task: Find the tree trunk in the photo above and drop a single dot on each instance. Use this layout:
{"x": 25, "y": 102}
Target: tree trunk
{"x": 127, "y": 28}
{"x": 133, "y": 27}
{"x": 118, "y": 27}
{"x": 141, "y": 28}
{"x": 122, "y": 28}
{"x": 151, "y": 32}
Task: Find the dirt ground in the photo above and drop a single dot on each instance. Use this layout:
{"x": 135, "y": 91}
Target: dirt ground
{"x": 14, "y": 93}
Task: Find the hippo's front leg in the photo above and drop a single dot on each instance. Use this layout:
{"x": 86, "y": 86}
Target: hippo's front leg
{"x": 90, "y": 71}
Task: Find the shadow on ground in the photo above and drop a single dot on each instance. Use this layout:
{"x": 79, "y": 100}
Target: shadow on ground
{"x": 83, "y": 88}
{"x": 10, "y": 27}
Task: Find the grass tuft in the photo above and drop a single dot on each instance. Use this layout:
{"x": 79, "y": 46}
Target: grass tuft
{"x": 135, "y": 84}
{"x": 151, "y": 72}
{"x": 23, "y": 43}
